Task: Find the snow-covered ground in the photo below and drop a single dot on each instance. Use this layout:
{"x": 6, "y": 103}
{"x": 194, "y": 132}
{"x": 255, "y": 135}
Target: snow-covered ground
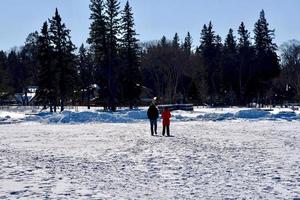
{"x": 207, "y": 158}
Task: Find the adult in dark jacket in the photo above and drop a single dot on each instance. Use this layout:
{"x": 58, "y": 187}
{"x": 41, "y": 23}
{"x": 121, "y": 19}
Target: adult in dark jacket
{"x": 153, "y": 114}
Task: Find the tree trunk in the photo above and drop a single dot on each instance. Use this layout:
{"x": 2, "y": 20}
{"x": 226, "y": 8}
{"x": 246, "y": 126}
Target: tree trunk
{"x": 62, "y": 102}
{"x": 26, "y": 97}
{"x": 51, "y": 105}
{"x": 89, "y": 98}
{"x": 54, "y": 106}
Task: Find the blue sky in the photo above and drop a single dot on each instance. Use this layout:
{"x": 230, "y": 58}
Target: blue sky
{"x": 153, "y": 18}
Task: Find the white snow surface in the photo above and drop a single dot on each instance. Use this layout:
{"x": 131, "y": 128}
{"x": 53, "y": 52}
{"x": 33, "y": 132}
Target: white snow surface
{"x": 227, "y": 159}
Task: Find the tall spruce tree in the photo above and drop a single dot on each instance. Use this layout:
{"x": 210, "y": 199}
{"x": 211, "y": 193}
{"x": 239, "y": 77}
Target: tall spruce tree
{"x": 98, "y": 39}
{"x": 267, "y": 62}
{"x": 47, "y": 77}
{"x": 130, "y": 75}
{"x": 245, "y": 65}
{"x": 229, "y": 67}
{"x": 98, "y": 33}
{"x": 113, "y": 30}
{"x": 209, "y": 49}
{"x": 63, "y": 50}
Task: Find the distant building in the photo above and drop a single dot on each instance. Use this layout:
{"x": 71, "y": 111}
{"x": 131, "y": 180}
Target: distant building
{"x": 27, "y": 97}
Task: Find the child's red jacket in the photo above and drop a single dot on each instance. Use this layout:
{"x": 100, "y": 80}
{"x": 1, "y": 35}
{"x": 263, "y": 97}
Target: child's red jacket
{"x": 166, "y": 115}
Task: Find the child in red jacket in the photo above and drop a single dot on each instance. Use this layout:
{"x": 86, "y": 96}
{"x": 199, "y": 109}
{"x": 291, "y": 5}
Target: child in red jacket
{"x": 166, "y": 115}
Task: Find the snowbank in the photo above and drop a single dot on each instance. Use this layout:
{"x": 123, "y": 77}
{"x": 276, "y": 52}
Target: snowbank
{"x": 216, "y": 116}
{"x": 251, "y": 114}
{"x": 288, "y": 115}
{"x": 137, "y": 115}
{"x": 89, "y": 117}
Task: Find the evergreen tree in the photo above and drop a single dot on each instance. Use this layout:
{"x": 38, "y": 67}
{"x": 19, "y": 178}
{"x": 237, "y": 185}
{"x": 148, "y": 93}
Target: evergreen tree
{"x": 113, "y": 30}
{"x": 230, "y": 43}
{"x": 187, "y": 45}
{"x": 229, "y": 67}
{"x": 267, "y": 62}
{"x": 263, "y": 35}
{"x": 98, "y": 32}
{"x": 5, "y": 79}
{"x": 47, "y": 76}
{"x": 130, "y": 75}
{"x": 244, "y": 36}
{"x": 175, "y": 42}
{"x": 98, "y": 40}
{"x": 17, "y": 71}
{"x": 210, "y": 50}
{"x": 63, "y": 50}
{"x": 86, "y": 73}
{"x": 245, "y": 65}
{"x": 163, "y": 41}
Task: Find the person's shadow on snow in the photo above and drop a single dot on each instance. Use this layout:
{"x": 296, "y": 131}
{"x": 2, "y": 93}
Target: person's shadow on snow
{"x": 163, "y": 136}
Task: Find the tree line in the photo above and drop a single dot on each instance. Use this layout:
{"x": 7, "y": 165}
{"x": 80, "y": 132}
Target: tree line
{"x": 234, "y": 72}
{"x": 49, "y": 61}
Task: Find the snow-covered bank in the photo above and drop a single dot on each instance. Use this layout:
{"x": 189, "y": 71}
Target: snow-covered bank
{"x": 137, "y": 115}
{"x": 204, "y": 160}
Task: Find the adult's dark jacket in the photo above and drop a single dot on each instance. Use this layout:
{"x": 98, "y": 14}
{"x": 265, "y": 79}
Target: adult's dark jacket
{"x": 152, "y": 112}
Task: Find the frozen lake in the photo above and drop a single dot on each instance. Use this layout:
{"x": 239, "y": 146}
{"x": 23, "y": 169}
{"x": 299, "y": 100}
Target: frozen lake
{"x": 203, "y": 160}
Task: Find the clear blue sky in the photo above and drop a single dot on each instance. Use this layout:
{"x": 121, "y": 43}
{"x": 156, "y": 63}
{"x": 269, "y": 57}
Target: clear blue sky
{"x": 153, "y": 18}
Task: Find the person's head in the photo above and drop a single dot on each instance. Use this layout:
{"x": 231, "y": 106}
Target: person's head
{"x": 154, "y": 101}
{"x": 166, "y": 108}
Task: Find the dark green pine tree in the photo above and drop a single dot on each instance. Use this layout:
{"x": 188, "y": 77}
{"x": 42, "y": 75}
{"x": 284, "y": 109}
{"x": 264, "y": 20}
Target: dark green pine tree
{"x": 267, "y": 62}
{"x": 64, "y": 56}
{"x": 187, "y": 44}
{"x": 98, "y": 33}
{"x": 5, "y": 79}
{"x": 229, "y": 68}
{"x": 210, "y": 50}
{"x": 263, "y": 35}
{"x": 163, "y": 41}
{"x": 245, "y": 65}
{"x": 130, "y": 75}
{"x": 175, "y": 41}
{"x": 86, "y": 73}
{"x": 17, "y": 71}
{"x": 98, "y": 40}
{"x": 113, "y": 61}
{"x": 46, "y": 74}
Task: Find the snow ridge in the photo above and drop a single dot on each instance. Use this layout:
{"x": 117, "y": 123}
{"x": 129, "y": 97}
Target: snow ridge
{"x": 137, "y": 115}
